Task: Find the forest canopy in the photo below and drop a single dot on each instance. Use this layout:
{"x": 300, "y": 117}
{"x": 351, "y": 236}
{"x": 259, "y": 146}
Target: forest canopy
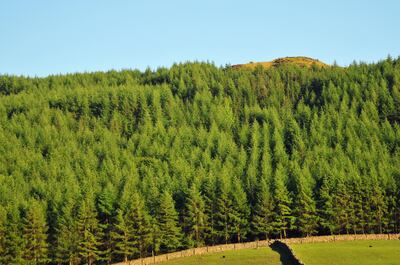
{"x": 108, "y": 166}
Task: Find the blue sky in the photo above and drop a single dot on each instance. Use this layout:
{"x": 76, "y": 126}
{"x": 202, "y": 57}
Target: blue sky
{"x": 45, "y": 37}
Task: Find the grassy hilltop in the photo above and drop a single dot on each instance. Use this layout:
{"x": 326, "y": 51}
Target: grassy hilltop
{"x": 298, "y": 61}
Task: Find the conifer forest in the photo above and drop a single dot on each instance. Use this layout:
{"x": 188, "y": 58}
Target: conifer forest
{"x": 102, "y": 167}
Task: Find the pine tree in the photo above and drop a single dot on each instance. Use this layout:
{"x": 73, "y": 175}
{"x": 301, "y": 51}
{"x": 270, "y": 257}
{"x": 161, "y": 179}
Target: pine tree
{"x": 239, "y": 213}
{"x": 305, "y": 207}
{"x": 14, "y": 242}
{"x": 223, "y": 210}
{"x": 283, "y": 218}
{"x": 105, "y": 205}
{"x": 170, "y": 233}
{"x": 121, "y": 236}
{"x": 325, "y": 207}
{"x": 263, "y": 211}
{"x": 3, "y": 220}
{"x": 141, "y": 226}
{"x": 35, "y": 235}
{"x": 253, "y": 162}
{"x": 195, "y": 218}
{"x": 67, "y": 237}
{"x": 89, "y": 230}
{"x": 379, "y": 208}
{"x": 358, "y": 221}
{"x": 209, "y": 194}
{"x": 342, "y": 214}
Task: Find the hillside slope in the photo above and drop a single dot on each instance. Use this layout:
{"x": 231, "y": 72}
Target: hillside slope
{"x": 101, "y": 167}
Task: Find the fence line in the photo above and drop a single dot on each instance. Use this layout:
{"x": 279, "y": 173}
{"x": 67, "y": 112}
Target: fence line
{"x": 254, "y": 245}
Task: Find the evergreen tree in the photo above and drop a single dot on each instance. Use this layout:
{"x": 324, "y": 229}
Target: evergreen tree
{"x": 209, "y": 194}
{"x": 106, "y": 206}
{"x": 283, "y": 218}
{"x": 195, "y": 218}
{"x": 3, "y": 219}
{"x": 262, "y": 217}
{"x": 170, "y": 233}
{"x": 67, "y": 238}
{"x": 35, "y": 235}
{"x": 14, "y": 243}
{"x": 140, "y": 223}
{"x": 121, "y": 236}
{"x": 342, "y": 214}
{"x": 239, "y": 212}
{"x": 305, "y": 207}
{"x": 89, "y": 231}
{"x": 223, "y": 210}
{"x": 326, "y": 214}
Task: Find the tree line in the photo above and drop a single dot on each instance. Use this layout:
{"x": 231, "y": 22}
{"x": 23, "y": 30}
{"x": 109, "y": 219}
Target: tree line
{"x": 100, "y": 167}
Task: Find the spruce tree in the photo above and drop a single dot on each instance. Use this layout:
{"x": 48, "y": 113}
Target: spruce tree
{"x": 209, "y": 194}
{"x": 139, "y": 220}
{"x": 106, "y": 206}
{"x": 170, "y": 232}
{"x": 67, "y": 237}
{"x": 121, "y": 237}
{"x": 14, "y": 242}
{"x": 342, "y": 214}
{"x": 35, "y": 235}
{"x": 262, "y": 217}
{"x": 3, "y": 219}
{"x": 240, "y": 211}
{"x": 304, "y": 206}
{"x": 195, "y": 218}
{"x": 89, "y": 231}
{"x": 326, "y": 213}
{"x": 223, "y": 210}
{"x": 283, "y": 218}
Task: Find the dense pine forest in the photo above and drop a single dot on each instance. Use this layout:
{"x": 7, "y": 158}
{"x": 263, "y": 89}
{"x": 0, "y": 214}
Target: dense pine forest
{"x": 100, "y": 167}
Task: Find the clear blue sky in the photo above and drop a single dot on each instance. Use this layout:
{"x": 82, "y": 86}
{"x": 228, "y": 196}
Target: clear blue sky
{"x": 41, "y": 37}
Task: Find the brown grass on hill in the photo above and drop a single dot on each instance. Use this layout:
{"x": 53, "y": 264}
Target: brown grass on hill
{"x": 300, "y": 61}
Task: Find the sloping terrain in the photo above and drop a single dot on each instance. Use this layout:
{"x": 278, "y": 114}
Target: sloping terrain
{"x": 371, "y": 252}
{"x": 264, "y": 256}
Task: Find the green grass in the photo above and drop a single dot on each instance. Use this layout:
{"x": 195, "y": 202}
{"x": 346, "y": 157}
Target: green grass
{"x": 381, "y": 252}
{"x": 262, "y": 256}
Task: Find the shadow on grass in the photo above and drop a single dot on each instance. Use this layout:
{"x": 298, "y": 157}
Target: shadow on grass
{"x": 285, "y": 254}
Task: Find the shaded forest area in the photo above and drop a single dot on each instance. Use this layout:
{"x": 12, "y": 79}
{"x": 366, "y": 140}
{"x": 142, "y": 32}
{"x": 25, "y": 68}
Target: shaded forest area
{"x": 104, "y": 167}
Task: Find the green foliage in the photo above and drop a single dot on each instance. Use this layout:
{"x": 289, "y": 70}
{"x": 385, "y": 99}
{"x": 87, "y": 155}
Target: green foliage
{"x": 195, "y": 217}
{"x": 169, "y": 233}
{"x": 90, "y": 232}
{"x": 118, "y": 165}
{"x": 35, "y": 235}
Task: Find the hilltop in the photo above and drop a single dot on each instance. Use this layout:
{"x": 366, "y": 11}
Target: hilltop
{"x": 298, "y": 60}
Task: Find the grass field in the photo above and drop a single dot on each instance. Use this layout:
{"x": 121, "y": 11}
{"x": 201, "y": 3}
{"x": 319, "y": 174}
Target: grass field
{"x": 262, "y": 256}
{"x": 374, "y": 252}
